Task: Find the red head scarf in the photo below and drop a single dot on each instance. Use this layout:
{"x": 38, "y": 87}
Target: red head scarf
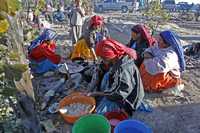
{"x": 96, "y": 21}
{"x": 145, "y": 33}
{"x": 110, "y": 49}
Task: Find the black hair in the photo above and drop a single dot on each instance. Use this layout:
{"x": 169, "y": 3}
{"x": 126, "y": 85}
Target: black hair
{"x": 164, "y": 40}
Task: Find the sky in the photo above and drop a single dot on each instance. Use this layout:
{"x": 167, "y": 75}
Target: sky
{"x": 189, "y": 1}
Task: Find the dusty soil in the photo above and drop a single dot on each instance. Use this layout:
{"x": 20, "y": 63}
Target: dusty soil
{"x": 175, "y": 114}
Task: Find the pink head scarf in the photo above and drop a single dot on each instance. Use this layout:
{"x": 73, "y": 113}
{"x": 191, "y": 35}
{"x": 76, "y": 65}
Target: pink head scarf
{"x": 110, "y": 49}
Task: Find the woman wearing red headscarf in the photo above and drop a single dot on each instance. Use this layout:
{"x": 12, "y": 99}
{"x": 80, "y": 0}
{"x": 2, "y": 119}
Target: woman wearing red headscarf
{"x": 140, "y": 40}
{"x": 97, "y": 31}
{"x": 121, "y": 86}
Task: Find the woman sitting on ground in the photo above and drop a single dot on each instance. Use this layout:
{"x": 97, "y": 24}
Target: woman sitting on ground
{"x": 121, "y": 87}
{"x": 140, "y": 40}
{"x": 44, "y": 47}
{"x": 96, "y": 32}
{"x": 163, "y": 64}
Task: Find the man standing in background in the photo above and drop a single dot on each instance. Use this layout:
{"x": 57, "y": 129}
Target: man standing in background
{"x": 78, "y": 14}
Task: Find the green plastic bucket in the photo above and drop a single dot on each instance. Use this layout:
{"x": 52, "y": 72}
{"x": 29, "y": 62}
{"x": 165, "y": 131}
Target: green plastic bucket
{"x": 92, "y": 124}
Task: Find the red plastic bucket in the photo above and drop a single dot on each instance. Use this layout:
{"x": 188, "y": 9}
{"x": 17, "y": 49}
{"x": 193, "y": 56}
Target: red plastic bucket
{"x": 115, "y": 117}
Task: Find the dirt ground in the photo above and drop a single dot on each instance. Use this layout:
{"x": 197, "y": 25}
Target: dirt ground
{"x": 175, "y": 114}
{"x": 170, "y": 114}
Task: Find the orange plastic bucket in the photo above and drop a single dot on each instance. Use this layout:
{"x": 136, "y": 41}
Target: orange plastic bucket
{"x": 76, "y": 98}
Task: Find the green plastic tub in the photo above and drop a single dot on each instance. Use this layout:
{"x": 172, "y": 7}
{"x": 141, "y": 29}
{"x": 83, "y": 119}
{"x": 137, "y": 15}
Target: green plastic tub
{"x": 92, "y": 124}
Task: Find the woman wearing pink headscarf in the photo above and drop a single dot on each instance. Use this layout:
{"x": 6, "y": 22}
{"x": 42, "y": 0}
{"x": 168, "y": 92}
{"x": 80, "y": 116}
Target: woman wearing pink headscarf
{"x": 141, "y": 39}
{"x": 121, "y": 86}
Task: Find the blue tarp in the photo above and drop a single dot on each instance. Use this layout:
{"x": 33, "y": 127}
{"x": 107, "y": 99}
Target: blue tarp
{"x": 43, "y": 66}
